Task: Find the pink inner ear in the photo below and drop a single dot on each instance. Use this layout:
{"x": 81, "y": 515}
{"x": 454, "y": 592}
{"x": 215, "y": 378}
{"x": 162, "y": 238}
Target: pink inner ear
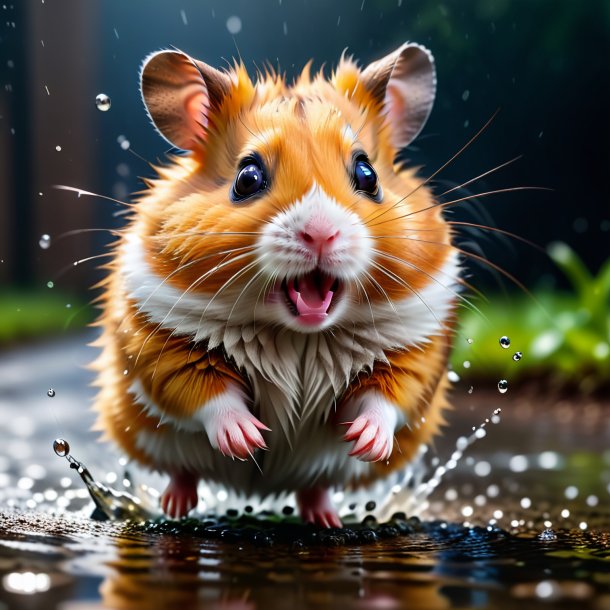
{"x": 395, "y": 104}
{"x": 196, "y": 108}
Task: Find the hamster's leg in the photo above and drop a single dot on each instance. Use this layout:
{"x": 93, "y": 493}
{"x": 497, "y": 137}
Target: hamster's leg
{"x": 190, "y": 388}
{"x": 180, "y": 496}
{"x": 316, "y": 507}
{"x": 401, "y": 400}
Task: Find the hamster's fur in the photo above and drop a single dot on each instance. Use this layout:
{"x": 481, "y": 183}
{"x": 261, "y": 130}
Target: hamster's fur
{"x": 277, "y": 315}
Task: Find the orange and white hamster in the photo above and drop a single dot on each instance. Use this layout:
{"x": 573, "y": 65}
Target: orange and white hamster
{"x": 277, "y": 315}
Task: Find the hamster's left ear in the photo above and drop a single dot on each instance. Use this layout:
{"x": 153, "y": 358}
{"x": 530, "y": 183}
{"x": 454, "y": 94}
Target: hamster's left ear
{"x": 179, "y": 93}
{"x": 404, "y": 83}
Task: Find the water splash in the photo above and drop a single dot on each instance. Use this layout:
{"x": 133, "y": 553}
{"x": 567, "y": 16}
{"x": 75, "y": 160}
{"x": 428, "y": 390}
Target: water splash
{"x": 109, "y": 503}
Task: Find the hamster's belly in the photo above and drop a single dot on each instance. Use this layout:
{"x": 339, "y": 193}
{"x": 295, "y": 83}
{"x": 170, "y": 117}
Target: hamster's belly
{"x": 307, "y": 451}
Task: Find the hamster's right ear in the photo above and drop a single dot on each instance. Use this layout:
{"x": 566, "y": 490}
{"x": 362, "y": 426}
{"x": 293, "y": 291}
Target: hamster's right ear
{"x": 179, "y": 93}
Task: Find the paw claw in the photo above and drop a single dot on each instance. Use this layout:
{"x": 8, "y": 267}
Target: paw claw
{"x": 373, "y": 439}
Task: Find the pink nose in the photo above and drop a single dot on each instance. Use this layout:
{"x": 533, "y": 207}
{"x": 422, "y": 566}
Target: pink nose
{"x": 318, "y": 234}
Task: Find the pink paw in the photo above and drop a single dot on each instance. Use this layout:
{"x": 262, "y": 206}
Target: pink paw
{"x": 238, "y": 434}
{"x": 180, "y": 496}
{"x": 374, "y": 439}
{"x": 316, "y": 507}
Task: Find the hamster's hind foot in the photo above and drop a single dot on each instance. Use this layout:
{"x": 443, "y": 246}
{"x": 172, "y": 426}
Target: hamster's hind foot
{"x": 316, "y": 507}
{"x": 180, "y": 496}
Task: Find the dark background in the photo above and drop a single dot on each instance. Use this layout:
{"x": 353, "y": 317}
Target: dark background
{"x": 544, "y": 63}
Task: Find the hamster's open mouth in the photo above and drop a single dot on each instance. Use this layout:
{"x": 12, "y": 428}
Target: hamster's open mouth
{"x": 309, "y": 297}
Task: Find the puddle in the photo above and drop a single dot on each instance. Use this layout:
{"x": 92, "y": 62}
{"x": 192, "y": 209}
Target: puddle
{"x": 521, "y": 521}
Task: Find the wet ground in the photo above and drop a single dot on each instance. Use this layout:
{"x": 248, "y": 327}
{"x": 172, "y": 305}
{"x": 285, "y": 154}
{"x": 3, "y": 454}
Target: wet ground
{"x": 522, "y": 520}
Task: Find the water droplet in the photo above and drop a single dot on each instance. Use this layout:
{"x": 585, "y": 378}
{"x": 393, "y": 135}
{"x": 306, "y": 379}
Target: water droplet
{"x": 50, "y": 284}
{"x": 466, "y": 364}
{"x": 123, "y": 142}
{"x": 50, "y": 392}
{"x": 465, "y": 95}
{"x": 103, "y": 102}
{"x": 453, "y": 376}
{"x": 471, "y": 389}
{"x": 505, "y": 342}
{"x": 45, "y": 241}
{"x": 61, "y": 447}
{"x": 58, "y": 148}
{"x": 502, "y": 386}
{"x": 470, "y": 341}
{"x": 126, "y": 372}
{"x": 234, "y": 24}
{"x": 517, "y": 356}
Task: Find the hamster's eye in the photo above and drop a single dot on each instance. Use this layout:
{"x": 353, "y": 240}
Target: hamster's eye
{"x": 250, "y": 180}
{"x": 365, "y": 179}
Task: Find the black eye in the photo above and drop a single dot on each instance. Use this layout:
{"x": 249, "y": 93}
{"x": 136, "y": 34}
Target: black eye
{"x": 250, "y": 180}
{"x": 365, "y": 178}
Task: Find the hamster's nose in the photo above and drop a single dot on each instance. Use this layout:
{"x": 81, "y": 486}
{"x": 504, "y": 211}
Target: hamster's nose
{"x": 318, "y": 235}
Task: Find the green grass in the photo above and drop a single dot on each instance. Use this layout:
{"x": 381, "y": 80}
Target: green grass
{"x": 565, "y": 336}
{"x": 29, "y": 314}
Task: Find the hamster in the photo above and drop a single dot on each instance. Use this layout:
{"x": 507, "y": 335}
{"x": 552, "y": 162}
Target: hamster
{"x": 277, "y": 314}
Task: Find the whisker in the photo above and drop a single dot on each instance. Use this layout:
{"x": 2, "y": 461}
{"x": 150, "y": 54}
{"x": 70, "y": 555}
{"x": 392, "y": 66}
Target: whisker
{"x": 190, "y": 264}
{"x": 442, "y": 167}
{"x": 464, "y": 299}
{"x": 76, "y": 263}
{"x": 487, "y": 173}
{"x": 443, "y": 204}
{"x": 402, "y": 282}
{"x": 500, "y": 231}
{"x": 195, "y": 283}
{"x": 79, "y": 192}
{"x": 366, "y": 296}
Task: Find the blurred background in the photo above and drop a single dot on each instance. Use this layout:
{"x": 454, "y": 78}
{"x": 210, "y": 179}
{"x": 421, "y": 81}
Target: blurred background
{"x": 542, "y": 63}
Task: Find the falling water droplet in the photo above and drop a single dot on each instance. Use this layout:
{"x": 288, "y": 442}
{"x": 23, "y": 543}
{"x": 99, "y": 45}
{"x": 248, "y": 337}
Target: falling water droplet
{"x": 453, "y": 376}
{"x": 103, "y": 102}
{"x": 471, "y": 389}
{"x": 517, "y": 356}
{"x": 234, "y": 24}
{"x": 505, "y": 342}
{"x": 58, "y": 148}
{"x": 469, "y": 340}
{"x": 50, "y": 392}
{"x": 45, "y": 241}
{"x": 502, "y": 386}
{"x": 61, "y": 447}
{"x": 50, "y": 284}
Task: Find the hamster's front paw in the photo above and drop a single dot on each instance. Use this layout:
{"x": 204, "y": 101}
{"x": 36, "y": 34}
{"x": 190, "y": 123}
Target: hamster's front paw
{"x": 231, "y": 427}
{"x": 372, "y": 429}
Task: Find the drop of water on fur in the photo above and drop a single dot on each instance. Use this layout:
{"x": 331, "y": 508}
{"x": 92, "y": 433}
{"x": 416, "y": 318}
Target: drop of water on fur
{"x": 45, "y": 241}
{"x": 50, "y": 392}
{"x": 517, "y": 356}
{"x": 505, "y": 342}
{"x": 103, "y": 102}
{"x": 502, "y": 386}
{"x": 61, "y": 447}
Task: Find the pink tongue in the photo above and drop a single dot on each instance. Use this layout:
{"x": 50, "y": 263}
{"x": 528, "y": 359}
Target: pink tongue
{"x": 313, "y": 297}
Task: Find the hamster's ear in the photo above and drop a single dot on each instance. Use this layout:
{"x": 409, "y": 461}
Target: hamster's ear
{"x": 404, "y": 82}
{"x": 179, "y": 92}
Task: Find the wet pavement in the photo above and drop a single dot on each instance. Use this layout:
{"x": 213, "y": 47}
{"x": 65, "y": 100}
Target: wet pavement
{"x": 522, "y": 520}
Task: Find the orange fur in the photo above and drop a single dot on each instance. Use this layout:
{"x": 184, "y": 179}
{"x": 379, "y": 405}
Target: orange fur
{"x": 189, "y": 230}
